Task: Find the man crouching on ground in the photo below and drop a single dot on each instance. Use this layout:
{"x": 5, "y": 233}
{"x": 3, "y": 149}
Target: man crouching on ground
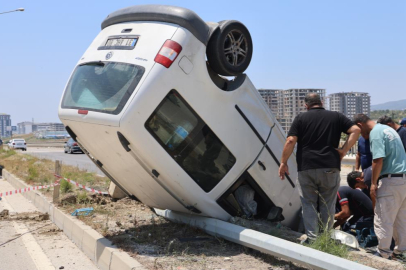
{"x": 389, "y": 199}
{"x": 317, "y": 133}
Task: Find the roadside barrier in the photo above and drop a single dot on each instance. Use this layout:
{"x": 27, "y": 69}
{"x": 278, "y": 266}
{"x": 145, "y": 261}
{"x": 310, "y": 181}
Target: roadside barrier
{"x": 23, "y": 190}
{"x": 80, "y": 185}
{"x": 57, "y": 183}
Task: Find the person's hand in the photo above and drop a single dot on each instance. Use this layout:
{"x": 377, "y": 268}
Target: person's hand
{"x": 372, "y": 191}
{"x": 283, "y": 168}
{"x": 341, "y": 152}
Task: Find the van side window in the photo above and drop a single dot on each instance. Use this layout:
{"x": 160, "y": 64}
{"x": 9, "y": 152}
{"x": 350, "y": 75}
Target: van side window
{"x": 189, "y": 141}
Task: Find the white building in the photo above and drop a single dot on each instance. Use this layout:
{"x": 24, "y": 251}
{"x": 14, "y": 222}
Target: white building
{"x": 30, "y": 127}
{"x": 24, "y": 127}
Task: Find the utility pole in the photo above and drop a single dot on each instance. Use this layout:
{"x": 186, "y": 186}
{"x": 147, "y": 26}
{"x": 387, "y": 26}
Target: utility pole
{"x": 18, "y": 9}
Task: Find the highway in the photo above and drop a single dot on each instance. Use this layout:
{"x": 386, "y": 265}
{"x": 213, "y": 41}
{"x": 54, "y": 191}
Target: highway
{"x": 53, "y": 153}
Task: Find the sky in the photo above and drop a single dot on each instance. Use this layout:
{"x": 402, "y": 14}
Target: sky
{"x": 341, "y": 46}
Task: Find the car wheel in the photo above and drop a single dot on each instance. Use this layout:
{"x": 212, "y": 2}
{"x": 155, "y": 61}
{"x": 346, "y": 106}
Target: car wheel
{"x": 229, "y": 50}
{"x": 64, "y": 150}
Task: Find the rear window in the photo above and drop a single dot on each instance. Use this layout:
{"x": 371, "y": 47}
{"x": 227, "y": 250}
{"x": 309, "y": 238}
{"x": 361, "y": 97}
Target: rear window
{"x": 190, "y": 142}
{"x": 102, "y": 86}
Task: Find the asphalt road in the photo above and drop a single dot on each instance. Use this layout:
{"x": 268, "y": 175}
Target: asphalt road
{"x": 76, "y": 159}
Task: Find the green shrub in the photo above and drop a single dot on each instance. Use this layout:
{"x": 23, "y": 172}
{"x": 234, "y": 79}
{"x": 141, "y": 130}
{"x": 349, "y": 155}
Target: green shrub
{"x": 66, "y": 186}
{"x": 82, "y": 197}
{"x": 326, "y": 244}
{"x": 32, "y": 172}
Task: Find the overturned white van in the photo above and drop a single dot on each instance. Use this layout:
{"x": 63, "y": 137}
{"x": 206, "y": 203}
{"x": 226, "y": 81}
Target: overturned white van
{"x": 159, "y": 119}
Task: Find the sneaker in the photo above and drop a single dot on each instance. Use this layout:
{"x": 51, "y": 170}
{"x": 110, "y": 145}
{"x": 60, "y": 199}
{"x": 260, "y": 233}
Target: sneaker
{"x": 377, "y": 254}
{"x": 305, "y": 241}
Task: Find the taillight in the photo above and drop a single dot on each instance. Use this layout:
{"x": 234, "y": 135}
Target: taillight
{"x": 83, "y": 111}
{"x": 168, "y": 53}
{"x": 75, "y": 144}
{"x": 14, "y": 144}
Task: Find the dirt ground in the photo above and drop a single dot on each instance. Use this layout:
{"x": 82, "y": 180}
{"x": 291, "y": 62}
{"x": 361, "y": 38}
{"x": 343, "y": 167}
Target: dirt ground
{"x": 161, "y": 244}
{"x": 156, "y": 242}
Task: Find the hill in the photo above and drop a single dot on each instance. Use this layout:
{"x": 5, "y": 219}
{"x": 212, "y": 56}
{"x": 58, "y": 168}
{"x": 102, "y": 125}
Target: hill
{"x": 395, "y": 114}
{"x": 391, "y": 105}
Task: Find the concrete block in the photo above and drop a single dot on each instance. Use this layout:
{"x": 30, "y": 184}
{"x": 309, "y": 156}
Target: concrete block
{"x": 77, "y": 232}
{"x": 89, "y": 240}
{"x": 19, "y": 184}
{"x": 68, "y": 225}
{"x": 104, "y": 251}
{"x": 41, "y": 203}
{"x": 51, "y": 211}
{"x": 30, "y": 196}
{"x": 115, "y": 192}
{"x": 123, "y": 261}
{"x": 58, "y": 218}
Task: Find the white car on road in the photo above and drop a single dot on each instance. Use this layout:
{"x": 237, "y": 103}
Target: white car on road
{"x": 18, "y": 144}
{"x": 169, "y": 127}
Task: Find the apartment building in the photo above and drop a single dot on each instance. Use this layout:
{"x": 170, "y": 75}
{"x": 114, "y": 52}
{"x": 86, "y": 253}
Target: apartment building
{"x": 286, "y": 104}
{"x": 5, "y": 125}
{"x": 350, "y": 103}
{"x": 29, "y": 127}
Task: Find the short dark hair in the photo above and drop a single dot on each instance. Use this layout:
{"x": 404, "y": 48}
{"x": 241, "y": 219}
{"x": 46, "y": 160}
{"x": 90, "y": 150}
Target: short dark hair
{"x": 384, "y": 120}
{"x": 352, "y": 178}
{"x": 313, "y": 99}
{"x": 361, "y": 118}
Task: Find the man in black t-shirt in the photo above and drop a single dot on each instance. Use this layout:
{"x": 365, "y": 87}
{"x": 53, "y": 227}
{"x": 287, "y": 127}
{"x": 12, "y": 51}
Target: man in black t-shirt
{"x": 352, "y": 202}
{"x": 361, "y": 180}
{"x": 317, "y": 133}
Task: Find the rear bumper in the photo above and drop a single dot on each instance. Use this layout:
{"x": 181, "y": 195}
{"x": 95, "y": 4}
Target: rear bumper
{"x": 76, "y": 149}
{"x": 18, "y": 147}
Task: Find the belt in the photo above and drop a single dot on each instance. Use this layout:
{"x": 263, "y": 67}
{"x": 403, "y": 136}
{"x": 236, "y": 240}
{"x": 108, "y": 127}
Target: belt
{"x": 391, "y": 175}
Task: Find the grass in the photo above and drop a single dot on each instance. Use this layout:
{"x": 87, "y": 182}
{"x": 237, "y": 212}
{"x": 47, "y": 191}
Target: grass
{"x": 6, "y": 153}
{"x": 32, "y": 172}
{"x": 326, "y": 244}
{"x": 36, "y": 171}
{"x": 82, "y": 197}
{"x": 66, "y": 186}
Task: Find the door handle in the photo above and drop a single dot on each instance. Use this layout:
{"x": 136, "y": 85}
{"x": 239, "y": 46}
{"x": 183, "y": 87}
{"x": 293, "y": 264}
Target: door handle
{"x": 262, "y": 165}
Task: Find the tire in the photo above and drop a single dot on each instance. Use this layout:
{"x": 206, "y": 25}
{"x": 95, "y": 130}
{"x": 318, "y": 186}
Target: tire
{"x": 229, "y": 50}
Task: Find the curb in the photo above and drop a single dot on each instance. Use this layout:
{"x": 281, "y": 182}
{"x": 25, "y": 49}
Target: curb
{"x": 100, "y": 250}
{"x": 265, "y": 243}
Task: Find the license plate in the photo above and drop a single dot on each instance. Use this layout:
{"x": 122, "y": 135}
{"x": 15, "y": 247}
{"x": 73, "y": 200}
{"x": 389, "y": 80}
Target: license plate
{"x": 119, "y": 43}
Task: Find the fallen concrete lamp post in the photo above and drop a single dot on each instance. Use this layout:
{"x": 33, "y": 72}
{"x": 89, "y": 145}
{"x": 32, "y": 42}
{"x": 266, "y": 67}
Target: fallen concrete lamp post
{"x": 264, "y": 243}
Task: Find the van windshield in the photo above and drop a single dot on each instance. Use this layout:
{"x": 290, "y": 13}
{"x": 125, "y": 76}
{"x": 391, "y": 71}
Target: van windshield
{"x": 102, "y": 86}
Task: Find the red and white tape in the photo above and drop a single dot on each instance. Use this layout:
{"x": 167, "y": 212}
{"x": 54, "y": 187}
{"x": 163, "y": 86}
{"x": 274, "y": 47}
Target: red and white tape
{"x": 23, "y": 190}
{"x": 81, "y": 186}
